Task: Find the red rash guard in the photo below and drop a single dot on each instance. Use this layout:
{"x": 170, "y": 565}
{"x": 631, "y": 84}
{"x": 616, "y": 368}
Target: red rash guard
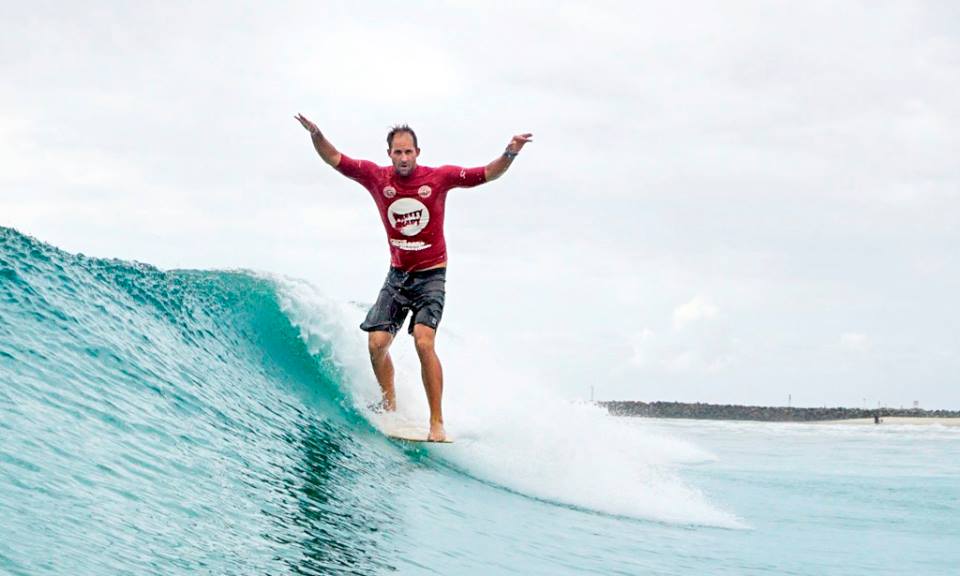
{"x": 411, "y": 207}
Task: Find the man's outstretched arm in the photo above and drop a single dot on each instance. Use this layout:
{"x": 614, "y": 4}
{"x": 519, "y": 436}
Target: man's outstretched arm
{"x": 323, "y": 146}
{"x": 495, "y": 169}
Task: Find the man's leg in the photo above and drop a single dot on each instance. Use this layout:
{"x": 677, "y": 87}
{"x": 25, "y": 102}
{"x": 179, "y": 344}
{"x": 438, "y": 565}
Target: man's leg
{"x": 432, "y": 373}
{"x": 379, "y": 345}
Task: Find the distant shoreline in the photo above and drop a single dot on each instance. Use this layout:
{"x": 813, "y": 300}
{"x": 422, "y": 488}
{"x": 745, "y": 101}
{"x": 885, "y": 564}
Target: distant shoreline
{"x": 701, "y": 411}
{"x": 904, "y": 420}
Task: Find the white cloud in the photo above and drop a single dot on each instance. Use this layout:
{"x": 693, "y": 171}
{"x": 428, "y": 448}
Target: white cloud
{"x": 672, "y": 352}
{"x": 643, "y": 353}
{"x": 698, "y": 309}
{"x": 855, "y": 341}
{"x": 378, "y": 65}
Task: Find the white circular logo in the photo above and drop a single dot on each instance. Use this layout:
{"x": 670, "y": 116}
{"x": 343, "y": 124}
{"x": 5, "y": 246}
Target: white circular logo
{"x": 409, "y": 216}
{"x": 424, "y": 191}
{"x": 389, "y": 191}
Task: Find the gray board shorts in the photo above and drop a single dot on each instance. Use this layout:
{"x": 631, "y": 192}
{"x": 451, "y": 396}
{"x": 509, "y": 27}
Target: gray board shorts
{"x": 421, "y": 292}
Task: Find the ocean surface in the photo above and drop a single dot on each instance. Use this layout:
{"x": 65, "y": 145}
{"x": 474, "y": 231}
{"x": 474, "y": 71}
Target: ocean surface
{"x": 214, "y": 422}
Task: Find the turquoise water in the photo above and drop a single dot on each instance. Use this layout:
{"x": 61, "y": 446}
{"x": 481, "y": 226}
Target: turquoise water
{"x": 212, "y": 422}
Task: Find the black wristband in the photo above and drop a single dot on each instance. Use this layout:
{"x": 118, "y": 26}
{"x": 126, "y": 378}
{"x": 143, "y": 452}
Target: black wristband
{"x": 509, "y": 154}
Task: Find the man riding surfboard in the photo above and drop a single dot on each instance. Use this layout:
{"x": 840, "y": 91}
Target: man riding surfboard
{"x": 410, "y": 199}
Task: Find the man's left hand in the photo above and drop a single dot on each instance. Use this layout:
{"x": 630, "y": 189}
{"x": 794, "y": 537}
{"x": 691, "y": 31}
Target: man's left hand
{"x": 516, "y": 144}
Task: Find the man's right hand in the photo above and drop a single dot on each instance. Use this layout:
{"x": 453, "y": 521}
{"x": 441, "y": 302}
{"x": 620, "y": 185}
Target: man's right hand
{"x": 323, "y": 146}
{"x": 308, "y": 125}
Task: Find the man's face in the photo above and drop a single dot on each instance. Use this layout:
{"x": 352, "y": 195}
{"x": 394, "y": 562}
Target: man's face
{"x": 403, "y": 154}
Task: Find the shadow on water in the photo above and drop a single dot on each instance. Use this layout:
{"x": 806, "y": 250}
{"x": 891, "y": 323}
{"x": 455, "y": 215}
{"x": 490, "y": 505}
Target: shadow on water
{"x": 344, "y": 521}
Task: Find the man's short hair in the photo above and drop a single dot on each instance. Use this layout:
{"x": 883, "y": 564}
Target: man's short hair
{"x": 399, "y": 129}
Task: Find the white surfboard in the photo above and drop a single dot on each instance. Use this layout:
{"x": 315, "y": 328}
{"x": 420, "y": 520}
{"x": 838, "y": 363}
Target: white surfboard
{"x": 399, "y": 427}
{"x": 412, "y": 434}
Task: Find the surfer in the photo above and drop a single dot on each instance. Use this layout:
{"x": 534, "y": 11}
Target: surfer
{"x": 411, "y": 200}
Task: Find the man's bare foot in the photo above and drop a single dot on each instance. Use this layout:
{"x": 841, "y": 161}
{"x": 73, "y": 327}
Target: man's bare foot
{"x": 437, "y": 433}
{"x": 381, "y": 406}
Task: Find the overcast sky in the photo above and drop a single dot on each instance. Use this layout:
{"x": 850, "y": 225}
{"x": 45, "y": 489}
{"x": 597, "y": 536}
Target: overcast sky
{"x": 724, "y": 202}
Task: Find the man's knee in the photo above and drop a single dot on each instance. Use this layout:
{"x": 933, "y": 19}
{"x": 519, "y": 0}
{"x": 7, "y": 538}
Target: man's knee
{"x": 423, "y": 338}
{"x": 379, "y": 343}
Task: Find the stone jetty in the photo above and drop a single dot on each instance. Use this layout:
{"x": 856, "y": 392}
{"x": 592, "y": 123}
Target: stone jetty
{"x": 702, "y": 411}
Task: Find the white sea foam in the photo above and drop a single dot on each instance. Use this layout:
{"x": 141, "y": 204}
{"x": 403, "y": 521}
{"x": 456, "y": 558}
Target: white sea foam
{"x": 512, "y": 430}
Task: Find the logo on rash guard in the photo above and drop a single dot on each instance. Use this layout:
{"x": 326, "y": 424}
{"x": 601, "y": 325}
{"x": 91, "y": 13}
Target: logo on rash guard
{"x": 408, "y": 216}
{"x": 389, "y": 191}
{"x": 424, "y": 191}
